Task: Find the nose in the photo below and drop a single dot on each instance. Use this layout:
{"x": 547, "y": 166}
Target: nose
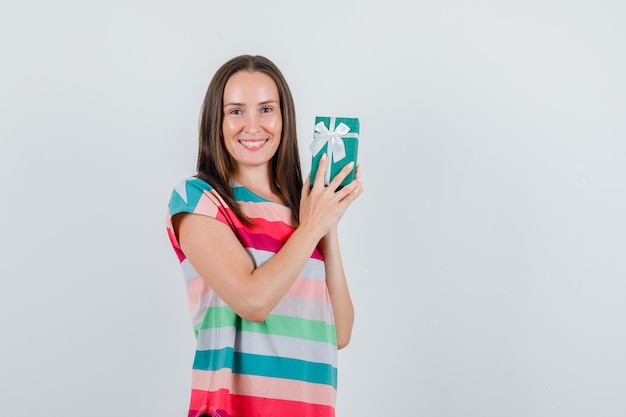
{"x": 253, "y": 124}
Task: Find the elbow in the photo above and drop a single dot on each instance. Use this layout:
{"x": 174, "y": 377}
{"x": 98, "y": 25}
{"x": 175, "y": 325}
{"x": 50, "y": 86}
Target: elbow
{"x": 254, "y": 316}
{"x": 256, "y": 313}
{"x": 343, "y": 331}
{"x": 250, "y": 307}
{"x": 342, "y": 341}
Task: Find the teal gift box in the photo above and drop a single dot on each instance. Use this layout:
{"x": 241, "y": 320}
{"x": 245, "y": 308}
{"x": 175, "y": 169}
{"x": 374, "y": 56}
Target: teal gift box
{"x": 338, "y": 137}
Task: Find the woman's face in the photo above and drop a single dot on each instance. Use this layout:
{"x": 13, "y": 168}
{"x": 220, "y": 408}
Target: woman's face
{"x": 252, "y": 122}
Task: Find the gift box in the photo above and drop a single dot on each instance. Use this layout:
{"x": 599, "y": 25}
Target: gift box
{"x": 338, "y": 137}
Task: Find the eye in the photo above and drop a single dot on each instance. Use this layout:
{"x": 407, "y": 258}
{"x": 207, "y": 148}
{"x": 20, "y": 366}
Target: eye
{"x": 235, "y": 112}
{"x": 266, "y": 109}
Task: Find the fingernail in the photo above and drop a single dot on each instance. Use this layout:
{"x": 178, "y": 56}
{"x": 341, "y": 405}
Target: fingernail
{"x": 324, "y": 156}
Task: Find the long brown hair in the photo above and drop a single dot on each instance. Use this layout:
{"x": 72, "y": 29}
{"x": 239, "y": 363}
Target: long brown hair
{"x": 215, "y": 165}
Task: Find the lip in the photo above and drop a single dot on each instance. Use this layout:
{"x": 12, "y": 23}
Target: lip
{"x": 253, "y": 144}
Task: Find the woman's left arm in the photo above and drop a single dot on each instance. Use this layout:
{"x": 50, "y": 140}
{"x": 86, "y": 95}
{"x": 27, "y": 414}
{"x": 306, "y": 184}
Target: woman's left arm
{"x": 338, "y": 288}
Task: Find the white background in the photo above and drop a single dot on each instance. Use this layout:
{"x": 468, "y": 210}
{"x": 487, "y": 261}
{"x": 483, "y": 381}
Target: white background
{"x": 486, "y": 257}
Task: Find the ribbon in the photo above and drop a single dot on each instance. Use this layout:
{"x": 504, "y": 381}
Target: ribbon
{"x": 332, "y": 135}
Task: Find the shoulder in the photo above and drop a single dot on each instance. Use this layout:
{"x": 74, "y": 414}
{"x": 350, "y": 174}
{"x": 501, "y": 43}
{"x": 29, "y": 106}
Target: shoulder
{"x": 190, "y": 194}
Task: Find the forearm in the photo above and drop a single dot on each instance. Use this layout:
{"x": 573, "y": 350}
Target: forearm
{"x": 338, "y": 288}
{"x": 252, "y": 292}
{"x": 271, "y": 281}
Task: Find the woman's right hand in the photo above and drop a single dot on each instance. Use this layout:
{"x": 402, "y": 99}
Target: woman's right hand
{"x": 251, "y": 291}
{"x": 321, "y": 207}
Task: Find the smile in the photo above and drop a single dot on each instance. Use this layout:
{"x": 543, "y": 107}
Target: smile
{"x": 253, "y": 144}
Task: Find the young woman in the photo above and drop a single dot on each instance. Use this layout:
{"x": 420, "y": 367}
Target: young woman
{"x": 260, "y": 255}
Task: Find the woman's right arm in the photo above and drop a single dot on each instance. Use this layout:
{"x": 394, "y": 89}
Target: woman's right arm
{"x": 253, "y": 292}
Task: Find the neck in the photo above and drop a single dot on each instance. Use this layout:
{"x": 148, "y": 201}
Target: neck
{"x": 257, "y": 180}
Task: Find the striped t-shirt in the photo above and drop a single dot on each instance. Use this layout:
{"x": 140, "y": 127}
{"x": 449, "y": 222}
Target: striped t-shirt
{"x": 284, "y": 366}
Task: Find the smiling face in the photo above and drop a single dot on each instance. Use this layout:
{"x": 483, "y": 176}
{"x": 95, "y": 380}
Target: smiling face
{"x": 252, "y": 122}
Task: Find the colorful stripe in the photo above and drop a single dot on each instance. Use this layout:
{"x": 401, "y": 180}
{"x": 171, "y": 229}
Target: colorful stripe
{"x": 261, "y": 344}
{"x": 267, "y": 366}
{"x": 283, "y": 366}
{"x": 265, "y": 404}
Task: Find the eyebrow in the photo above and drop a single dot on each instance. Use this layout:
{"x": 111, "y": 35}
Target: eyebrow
{"x": 242, "y": 104}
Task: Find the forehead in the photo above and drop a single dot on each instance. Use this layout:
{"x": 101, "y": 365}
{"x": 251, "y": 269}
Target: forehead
{"x": 246, "y": 86}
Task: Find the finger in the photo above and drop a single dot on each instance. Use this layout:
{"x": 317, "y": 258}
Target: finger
{"x": 352, "y": 190}
{"x": 321, "y": 171}
{"x": 341, "y": 175}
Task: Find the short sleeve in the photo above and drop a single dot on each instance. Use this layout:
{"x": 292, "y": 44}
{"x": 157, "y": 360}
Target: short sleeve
{"x": 194, "y": 195}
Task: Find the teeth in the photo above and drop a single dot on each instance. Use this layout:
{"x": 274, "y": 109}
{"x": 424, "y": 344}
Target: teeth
{"x": 252, "y": 144}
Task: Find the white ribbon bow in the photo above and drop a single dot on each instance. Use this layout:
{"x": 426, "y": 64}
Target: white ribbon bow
{"x": 336, "y": 149}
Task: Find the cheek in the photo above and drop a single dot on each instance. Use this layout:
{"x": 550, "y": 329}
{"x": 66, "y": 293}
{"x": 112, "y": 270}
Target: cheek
{"x": 275, "y": 124}
{"x": 229, "y": 127}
